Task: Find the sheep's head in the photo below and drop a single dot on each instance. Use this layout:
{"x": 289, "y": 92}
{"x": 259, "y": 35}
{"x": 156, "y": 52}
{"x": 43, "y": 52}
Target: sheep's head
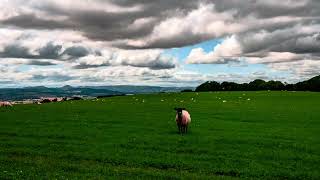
{"x": 179, "y": 111}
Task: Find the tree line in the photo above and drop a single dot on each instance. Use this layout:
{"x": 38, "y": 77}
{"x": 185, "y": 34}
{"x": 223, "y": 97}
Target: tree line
{"x": 312, "y": 84}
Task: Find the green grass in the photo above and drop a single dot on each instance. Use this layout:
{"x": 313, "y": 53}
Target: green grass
{"x": 274, "y": 135}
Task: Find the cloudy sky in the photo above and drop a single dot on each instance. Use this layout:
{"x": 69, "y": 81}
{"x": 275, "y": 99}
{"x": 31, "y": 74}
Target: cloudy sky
{"x": 158, "y": 42}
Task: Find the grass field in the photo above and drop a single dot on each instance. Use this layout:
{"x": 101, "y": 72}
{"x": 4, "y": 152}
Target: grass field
{"x": 274, "y": 135}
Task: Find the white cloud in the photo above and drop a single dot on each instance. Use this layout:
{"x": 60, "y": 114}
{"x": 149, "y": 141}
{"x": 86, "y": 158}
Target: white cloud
{"x": 153, "y": 59}
{"x": 303, "y": 69}
{"x": 275, "y": 57}
{"x": 228, "y": 50}
{"x": 202, "y": 23}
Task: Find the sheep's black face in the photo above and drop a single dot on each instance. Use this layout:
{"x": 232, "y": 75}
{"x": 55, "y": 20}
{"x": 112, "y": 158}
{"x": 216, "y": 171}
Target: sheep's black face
{"x": 179, "y": 111}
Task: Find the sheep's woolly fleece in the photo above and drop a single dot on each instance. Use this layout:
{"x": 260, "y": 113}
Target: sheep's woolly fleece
{"x": 186, "y": 118}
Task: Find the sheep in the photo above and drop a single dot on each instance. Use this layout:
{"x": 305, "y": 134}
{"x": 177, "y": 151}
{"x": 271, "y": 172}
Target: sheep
{"x": 5, "y": 104}
{"x": 183, "y": 119}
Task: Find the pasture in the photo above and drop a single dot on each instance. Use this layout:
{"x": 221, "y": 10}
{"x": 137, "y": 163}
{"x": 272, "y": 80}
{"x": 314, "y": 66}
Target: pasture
{"x": 269, "y": 135}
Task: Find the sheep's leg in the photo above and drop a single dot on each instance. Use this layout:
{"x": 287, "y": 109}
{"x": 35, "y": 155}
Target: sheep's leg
{"x": 186, "y": 129}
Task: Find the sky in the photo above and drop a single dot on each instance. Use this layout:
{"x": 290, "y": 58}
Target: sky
{"x": 159, "y": 42}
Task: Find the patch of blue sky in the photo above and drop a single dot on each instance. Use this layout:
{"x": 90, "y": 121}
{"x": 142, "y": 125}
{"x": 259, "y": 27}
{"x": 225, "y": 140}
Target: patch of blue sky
{"x": 25, "y": 67}
{"x": 182, "y": 53}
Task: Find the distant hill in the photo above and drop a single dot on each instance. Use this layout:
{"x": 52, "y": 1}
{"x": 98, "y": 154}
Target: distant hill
{"x": 68, "y": 91}
{"x": 127, "y": 89}
{"x": 41, "y": 91}
{"x": 312, "y": 84}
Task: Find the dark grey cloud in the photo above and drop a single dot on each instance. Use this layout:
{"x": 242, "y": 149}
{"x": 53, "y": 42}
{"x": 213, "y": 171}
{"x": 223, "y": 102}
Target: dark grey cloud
{"x": 40, "y": 63}
{"x": 271, "y": 8}
{"x": 88, "y": 66}
{"x": 102, "y": 25}
{"x": 16, "y": 51}
{"x": 49, "y": 51}
{"x": 95, "y": 24}
{"x": 299, "y": 45}
{"x": 52, "y": 77}
{"x": 33, "y": 22}
{"x": 290, "y": 40}
{"x": 76, "y": 51}
{"x": 159, "y": 5}
{"x": 155, "y": 65}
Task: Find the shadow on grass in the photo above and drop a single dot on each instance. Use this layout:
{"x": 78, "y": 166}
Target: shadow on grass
{"x": 176, "y": 132}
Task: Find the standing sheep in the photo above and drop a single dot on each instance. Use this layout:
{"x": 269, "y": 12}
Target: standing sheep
{"x": 183, "y": 119}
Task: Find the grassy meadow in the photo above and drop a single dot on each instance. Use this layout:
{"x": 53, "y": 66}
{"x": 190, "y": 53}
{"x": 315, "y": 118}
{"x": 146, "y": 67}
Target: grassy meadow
{"x": 255, "y": 135}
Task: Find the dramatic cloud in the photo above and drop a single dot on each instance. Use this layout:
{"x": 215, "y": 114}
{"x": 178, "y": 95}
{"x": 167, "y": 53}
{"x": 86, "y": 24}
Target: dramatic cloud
{"x": 79, "y": 57}
{"x": 16, "y": 51}
{"x": 76, "y": 52}
{"x": 304, "y": 68}
{"x": 31, "y": 21}
{"x": 200, "y": 24}
{"x": 158, "y": 24}
{"x": 153, "y": 59}
{"x": 49, "y": 51}
{"x": 91, "y": 37}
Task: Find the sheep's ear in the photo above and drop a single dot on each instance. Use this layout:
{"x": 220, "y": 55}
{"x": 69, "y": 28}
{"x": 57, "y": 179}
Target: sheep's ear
{"x": 175, "y": 108}
{"x": 183, "y": 108}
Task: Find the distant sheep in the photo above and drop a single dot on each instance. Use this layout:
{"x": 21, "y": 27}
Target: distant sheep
{"x": 5, "y": 104}
{"x": 183, "y": 119}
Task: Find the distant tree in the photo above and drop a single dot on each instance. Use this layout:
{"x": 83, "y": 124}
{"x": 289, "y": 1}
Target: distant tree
{"x": 312, "y": 84}
{"x": 274, "y": 85}
{"x": 209, "y": 86}
{"x": 230, "y": 86}
{"x": 256, "y": 85}
{"x": 290, "y": 87}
